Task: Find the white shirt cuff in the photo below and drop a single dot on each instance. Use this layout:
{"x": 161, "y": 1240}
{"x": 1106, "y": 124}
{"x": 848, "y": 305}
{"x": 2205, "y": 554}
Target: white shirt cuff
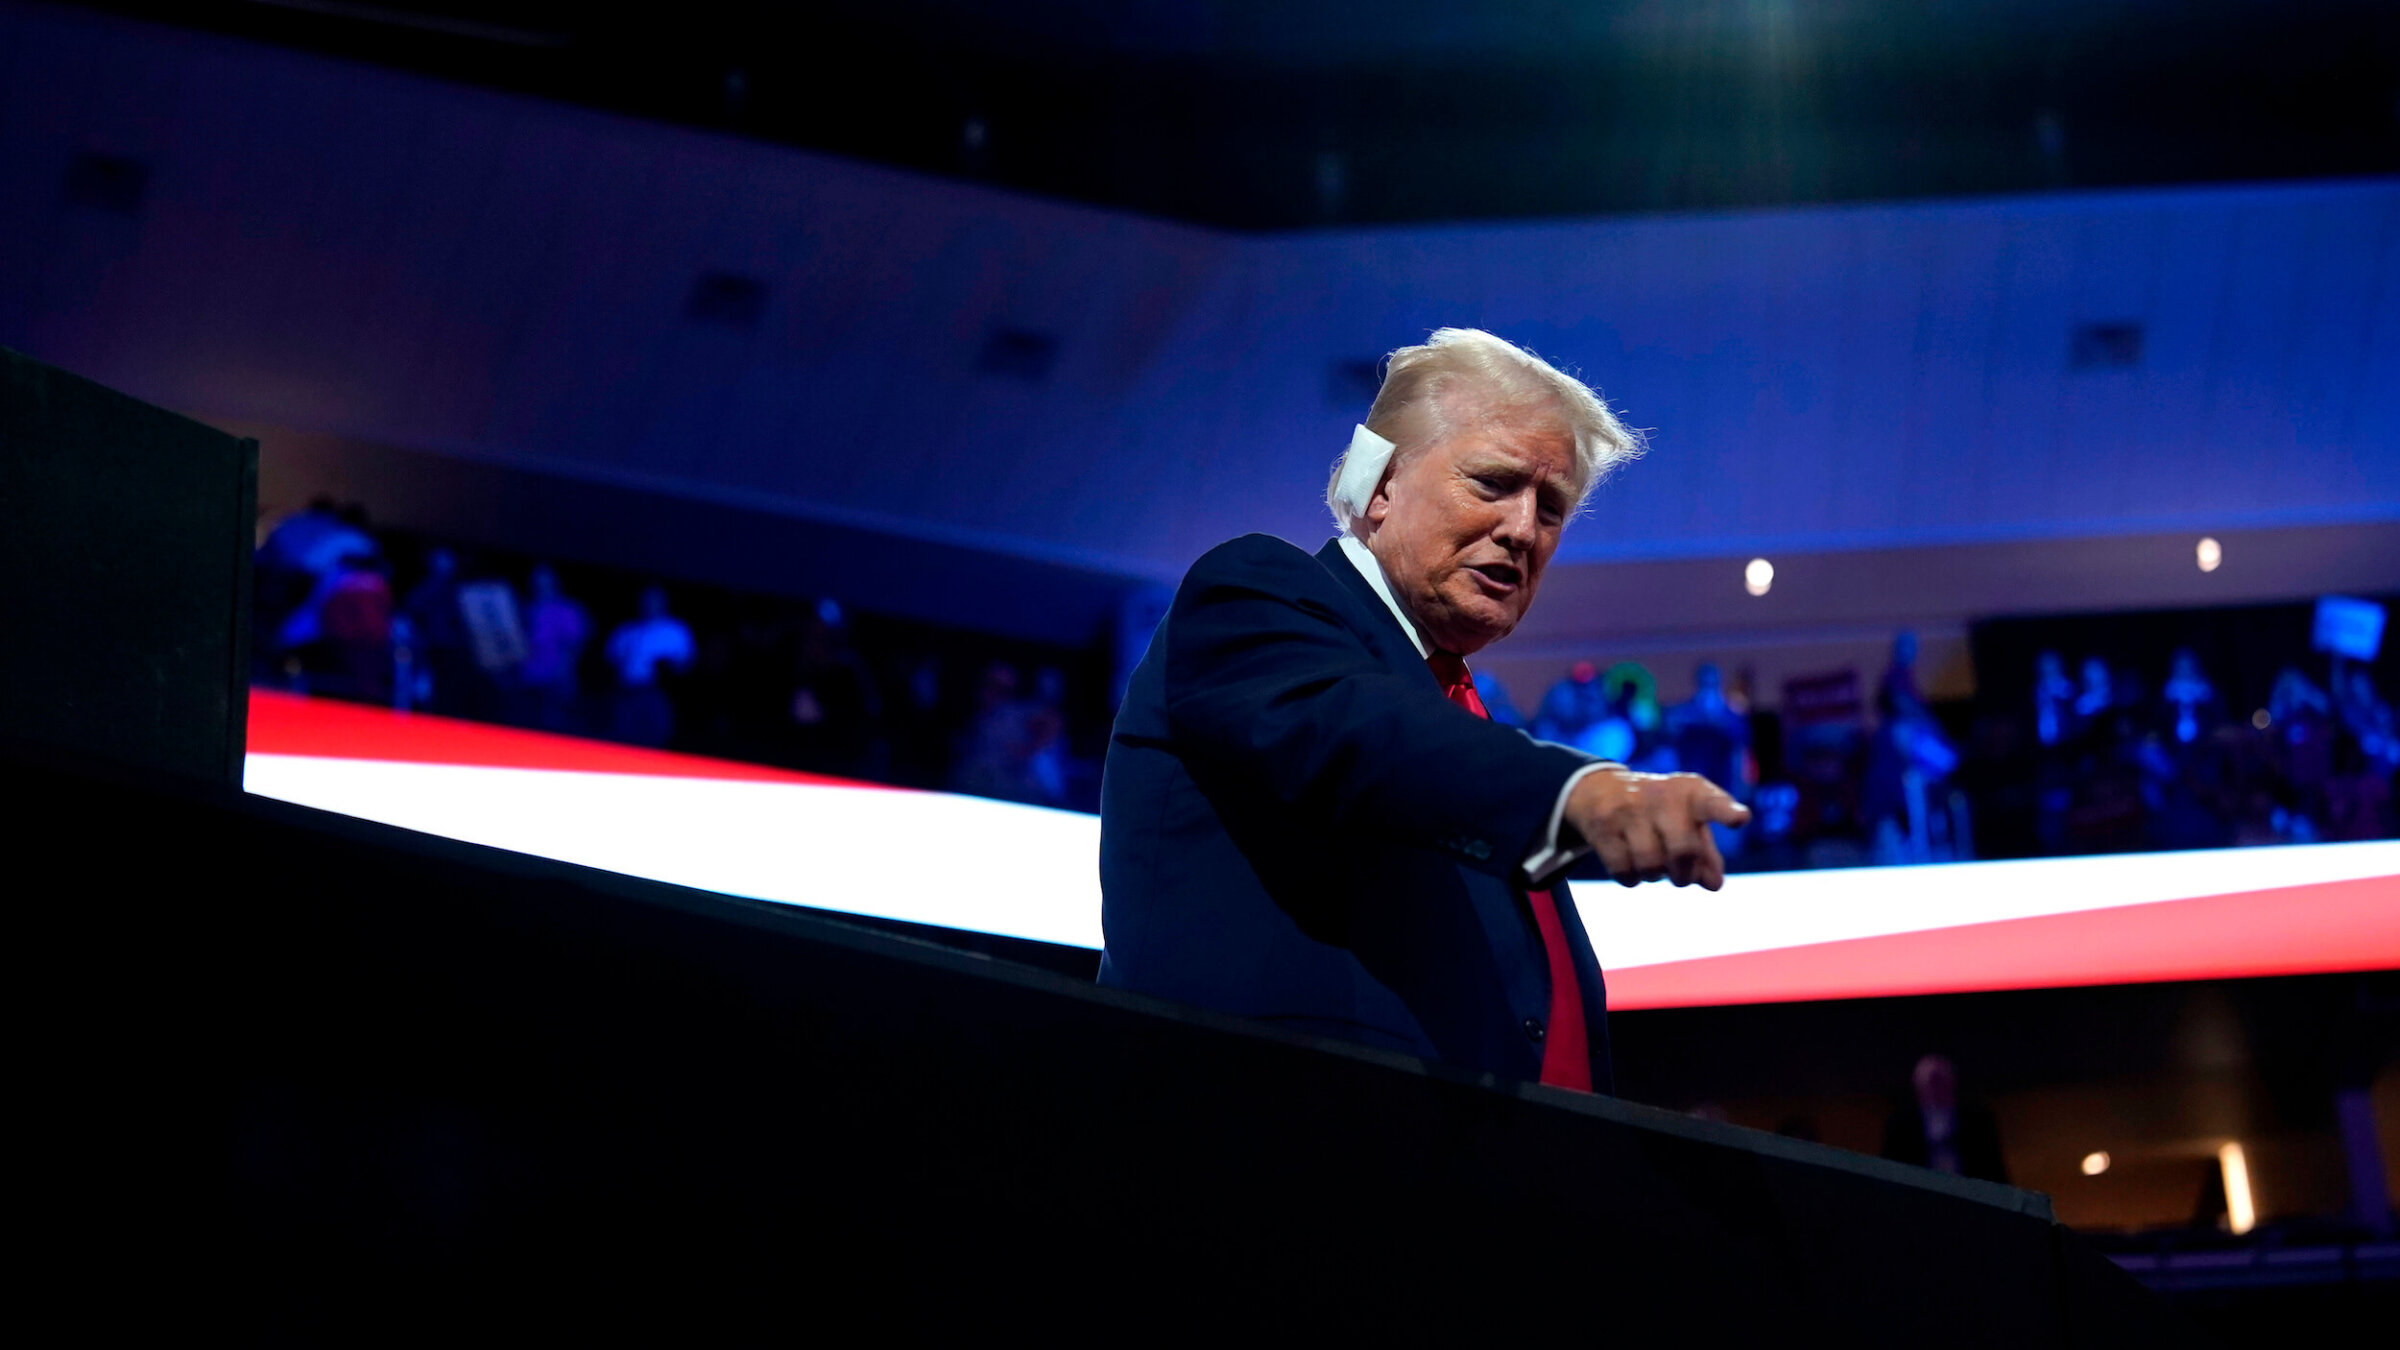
{"x": 1549, "y": 857}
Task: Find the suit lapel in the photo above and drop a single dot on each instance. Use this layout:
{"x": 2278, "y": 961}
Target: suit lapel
{"x": 1523, "y": 969}
{"x": 1382, "y": 628}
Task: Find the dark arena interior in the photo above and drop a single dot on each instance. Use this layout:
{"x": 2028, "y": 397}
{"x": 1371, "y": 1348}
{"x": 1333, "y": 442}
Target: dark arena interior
{"x": 651, "y": 695}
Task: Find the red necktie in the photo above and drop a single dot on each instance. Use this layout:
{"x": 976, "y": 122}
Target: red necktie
{"x": 1566, "y": 1053}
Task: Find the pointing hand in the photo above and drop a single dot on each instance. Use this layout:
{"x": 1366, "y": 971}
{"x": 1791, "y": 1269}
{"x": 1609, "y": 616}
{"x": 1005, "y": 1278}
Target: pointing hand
{"x": 1648, "y": 826}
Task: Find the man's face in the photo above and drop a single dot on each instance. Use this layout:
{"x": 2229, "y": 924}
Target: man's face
{"x": 1464, "y": 527}
{"x": 1937, "y": 1082}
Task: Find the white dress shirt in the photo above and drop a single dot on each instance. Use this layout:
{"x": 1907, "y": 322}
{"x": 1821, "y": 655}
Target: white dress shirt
{"x": 1547, "y": 857}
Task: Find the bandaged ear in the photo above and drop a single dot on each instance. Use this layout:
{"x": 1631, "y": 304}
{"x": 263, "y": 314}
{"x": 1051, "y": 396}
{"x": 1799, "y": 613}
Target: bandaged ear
{"x": 1362, "y": 472}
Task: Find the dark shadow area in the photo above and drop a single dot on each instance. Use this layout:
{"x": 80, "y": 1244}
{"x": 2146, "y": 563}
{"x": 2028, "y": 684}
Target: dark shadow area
{"x": 462, "y": 1078}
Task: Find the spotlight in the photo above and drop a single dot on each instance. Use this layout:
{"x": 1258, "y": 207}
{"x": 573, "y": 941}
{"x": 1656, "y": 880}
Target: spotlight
{"x": 1758, "y": 576}
{"x": 2262, "y": 719}
{"x": 2210, "y": 553}
{"x": 2095, "y": 1162}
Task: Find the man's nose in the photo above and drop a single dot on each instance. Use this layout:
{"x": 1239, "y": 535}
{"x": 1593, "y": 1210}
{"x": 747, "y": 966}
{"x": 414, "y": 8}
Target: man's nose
{"x": 1519, "y": 522}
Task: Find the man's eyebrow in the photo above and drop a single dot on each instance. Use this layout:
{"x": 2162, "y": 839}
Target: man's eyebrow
{"x": 1490, "y": 463}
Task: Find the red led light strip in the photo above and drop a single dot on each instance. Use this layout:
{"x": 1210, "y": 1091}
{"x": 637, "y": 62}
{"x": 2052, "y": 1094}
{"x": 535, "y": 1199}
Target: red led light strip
{"x": 2323, "y": 927}
{"x": 289, "y": 724}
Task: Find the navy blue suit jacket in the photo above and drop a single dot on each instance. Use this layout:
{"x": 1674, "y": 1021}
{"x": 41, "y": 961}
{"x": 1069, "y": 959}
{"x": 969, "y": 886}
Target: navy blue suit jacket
{"x": 1296, "y": 826}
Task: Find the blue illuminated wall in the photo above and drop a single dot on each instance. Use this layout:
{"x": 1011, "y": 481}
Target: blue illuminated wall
{"x": 250, "y": 233}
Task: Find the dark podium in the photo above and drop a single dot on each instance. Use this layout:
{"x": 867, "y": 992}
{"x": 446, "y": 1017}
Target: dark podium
{"x": 433, "y": 1088}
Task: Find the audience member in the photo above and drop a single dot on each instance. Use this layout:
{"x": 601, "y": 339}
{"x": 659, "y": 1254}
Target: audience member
{"x": 439, "y": 636}
{"x": 1017, "y": 749}
{"x": 1046, "y": 768}
{"x": 2096, "y": 696}
{"x": 639, "y": 710}
{"x": 1909, "y": 762}
{"x": 294, "y": 569}
{"x": 1572, "y": 706}
{"x": 555, "y": 631}
{"x": 1936, "y": 1128}
{"x": 355, "y": 632}
{"x": 2053, "y": 700}
{"x": 834, "y": 710}
{"x": 495, "y": 632}
{"x": 1605, "y": 715}
{"x": 2367, "y": 716}
{"x": 2359, "y": 796}
{"x": 995, "y": 753}
{"x": 1898, "y": 687}
{"x": 2190, "y": 699}
{"x": 412, "y": 684}
{"x": 1633, "y": 704}
{"x": 316, "y": 540}
{"x": 2300, "y": 729}
{"x": 1710, "y": 739}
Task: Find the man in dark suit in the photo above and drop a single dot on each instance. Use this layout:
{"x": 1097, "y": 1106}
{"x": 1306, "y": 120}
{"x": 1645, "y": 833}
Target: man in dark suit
{"x": 1937, "y": 1128}
{"x": 1306, "y": 817}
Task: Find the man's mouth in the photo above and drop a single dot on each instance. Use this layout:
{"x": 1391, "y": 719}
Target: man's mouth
{"x": 1500, "y": 574}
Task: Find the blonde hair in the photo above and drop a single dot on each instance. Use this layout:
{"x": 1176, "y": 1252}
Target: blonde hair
{"x": 1422, "y": 386}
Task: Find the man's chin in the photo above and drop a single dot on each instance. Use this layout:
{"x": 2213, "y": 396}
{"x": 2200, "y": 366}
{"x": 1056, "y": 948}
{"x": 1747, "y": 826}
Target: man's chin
{"x": 1471, "y": 636}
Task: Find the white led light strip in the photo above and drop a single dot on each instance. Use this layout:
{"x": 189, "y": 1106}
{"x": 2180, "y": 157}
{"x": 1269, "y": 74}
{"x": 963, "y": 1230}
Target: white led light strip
{"x": 1022, "y": 871}
{"x": 926, "y": 857}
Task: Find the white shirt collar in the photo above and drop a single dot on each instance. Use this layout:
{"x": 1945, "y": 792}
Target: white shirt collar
{"x": 1363, "y": 558}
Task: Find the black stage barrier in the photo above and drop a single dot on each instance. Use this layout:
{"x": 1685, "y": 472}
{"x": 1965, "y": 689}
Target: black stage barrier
{"x": 124, "y": 575}
{"x": 435, "y": 1087}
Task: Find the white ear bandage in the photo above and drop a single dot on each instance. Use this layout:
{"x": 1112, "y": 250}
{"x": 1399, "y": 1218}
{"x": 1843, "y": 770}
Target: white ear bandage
{"x": 1362, "y": 471}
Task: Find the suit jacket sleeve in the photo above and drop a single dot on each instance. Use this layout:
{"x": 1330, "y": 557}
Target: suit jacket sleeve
{"x": 1271, "y": 691}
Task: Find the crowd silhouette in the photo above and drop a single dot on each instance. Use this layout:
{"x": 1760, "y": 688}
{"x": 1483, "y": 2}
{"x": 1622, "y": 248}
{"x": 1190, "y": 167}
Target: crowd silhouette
{"x": 2080, "y": 753}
